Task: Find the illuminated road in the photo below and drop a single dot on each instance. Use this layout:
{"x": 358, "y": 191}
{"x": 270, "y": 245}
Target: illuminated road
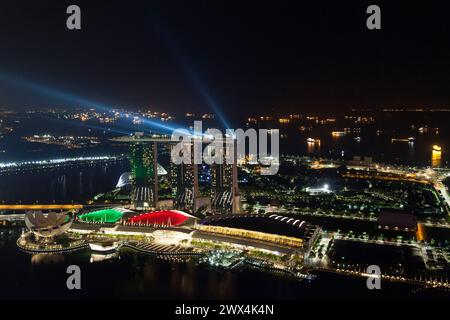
{"x": 38, "y": 207}
{"x": 12, "y": 217}
{"x": 41, "y": 207}
{"x": 442, "y": 189}
{"x": 22, "y": 166}
{"x": 428, "y": 280}
{"x": 32, "y": 207}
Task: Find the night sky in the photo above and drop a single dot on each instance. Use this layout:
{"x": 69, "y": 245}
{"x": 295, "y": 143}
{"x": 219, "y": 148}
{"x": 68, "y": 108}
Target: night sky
{"x": 238, "y": 56}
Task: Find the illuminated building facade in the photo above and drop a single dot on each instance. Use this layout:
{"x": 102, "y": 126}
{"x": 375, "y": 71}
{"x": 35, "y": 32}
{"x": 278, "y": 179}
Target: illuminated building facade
{"x": 284, "y": 231}
{"x": 48, "y": 225}
{"x": 184, "y": 181}
{"x": 255, "y": 235}
{"x": 162, "y": 218}
{"x": 111, "y": 215}
{"x": 184, "y": 178}
{"x": 144, "y": 168}
{"x": 224, "y": 182}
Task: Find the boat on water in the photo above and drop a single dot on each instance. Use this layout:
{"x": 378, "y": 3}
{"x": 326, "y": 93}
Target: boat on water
{"x": 410, "y": 139}
{"x": 311, "y": 140}
{"x": 437, "y": 148}
{"x": 99, "y": 257}
{"x": 104, "y": 246}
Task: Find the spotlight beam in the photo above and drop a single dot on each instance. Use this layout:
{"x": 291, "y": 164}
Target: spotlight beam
{"x": 193, "y": 76}
{"x": 79, "y": 101}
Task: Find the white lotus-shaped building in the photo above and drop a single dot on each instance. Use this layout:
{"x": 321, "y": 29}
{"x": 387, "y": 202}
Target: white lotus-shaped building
{"x": 48, "y": 224}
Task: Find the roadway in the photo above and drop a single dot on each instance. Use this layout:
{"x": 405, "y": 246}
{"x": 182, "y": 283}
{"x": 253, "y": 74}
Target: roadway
{"x": 41, "y": 207}
{"x": 38, "y": 207}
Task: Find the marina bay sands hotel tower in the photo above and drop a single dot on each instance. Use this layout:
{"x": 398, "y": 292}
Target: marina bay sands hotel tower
{"x": 184, "y": 183}
{"x": 143, "y": 156}
{"x": 225, "y": 195}
{"x": 224, "y": 191}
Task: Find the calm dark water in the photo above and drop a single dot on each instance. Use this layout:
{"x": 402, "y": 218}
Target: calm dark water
{"x": 385, "y": 256}
{"x": 136, "y": 275}
{"x": 61, "y": 185}
{"x": 377, "y": 145}
{"x": 380, "y": 148}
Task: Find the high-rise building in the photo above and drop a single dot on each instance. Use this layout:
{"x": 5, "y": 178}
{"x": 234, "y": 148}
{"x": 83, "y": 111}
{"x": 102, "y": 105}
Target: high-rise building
{"x": 144, "y": 168}
{"x": 224, "y": 181}
{"x": 184, "y": 179}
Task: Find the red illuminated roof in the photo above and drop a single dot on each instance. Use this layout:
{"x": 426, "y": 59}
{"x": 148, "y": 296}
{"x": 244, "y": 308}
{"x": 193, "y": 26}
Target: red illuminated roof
{"x": 164, "y": 217}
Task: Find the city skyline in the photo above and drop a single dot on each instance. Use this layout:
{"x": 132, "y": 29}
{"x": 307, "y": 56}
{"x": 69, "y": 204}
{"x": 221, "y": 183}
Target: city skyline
{"x": 217, "y": 153}
{"x": 291, "y": 58}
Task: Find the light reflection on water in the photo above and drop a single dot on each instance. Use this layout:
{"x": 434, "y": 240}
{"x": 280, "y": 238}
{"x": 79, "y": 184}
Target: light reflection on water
{"x": 136, "y": 275}
{"x": 436, "y": 158}
{"x": 43, "y": 258}
{"x": 63, "y": 185}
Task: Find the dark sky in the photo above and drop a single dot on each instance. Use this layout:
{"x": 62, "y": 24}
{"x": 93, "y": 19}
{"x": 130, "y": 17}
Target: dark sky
{"x": 238, "y": 56}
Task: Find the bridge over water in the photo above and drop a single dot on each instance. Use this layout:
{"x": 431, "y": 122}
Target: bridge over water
{"x": 42, "y": 207}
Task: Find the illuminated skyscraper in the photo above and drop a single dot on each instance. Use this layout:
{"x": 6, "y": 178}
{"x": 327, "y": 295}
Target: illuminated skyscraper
{"x": 224, "y": 182}
{"x": 184, "y": 179}
{"x": 144, "y": 168}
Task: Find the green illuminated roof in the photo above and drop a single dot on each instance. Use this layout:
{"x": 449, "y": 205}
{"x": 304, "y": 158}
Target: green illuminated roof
{"x": 107, "y": 215}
